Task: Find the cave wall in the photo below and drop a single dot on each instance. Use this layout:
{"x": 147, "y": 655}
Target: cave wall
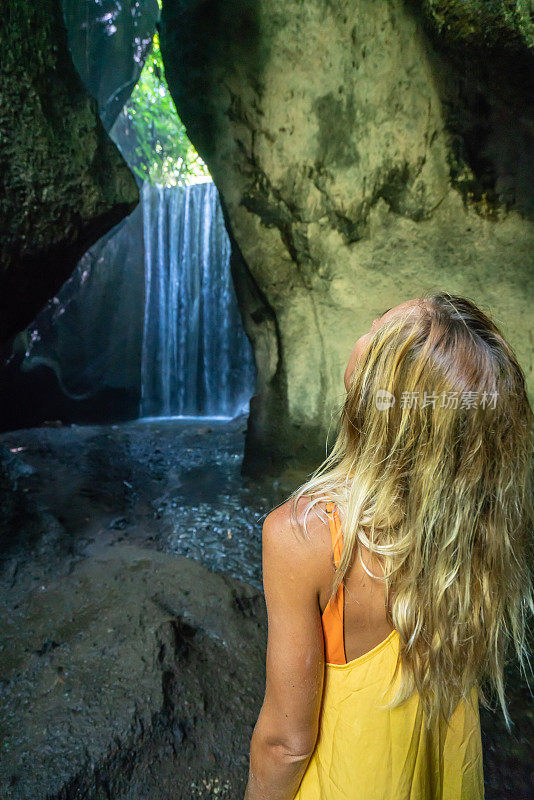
{"x": 64, "y": 183}
{"x": 76, "y": 361}
{"x": 501, "y": 24}
{"x": 109, "y": 42}
{"x": 365, "y": 152}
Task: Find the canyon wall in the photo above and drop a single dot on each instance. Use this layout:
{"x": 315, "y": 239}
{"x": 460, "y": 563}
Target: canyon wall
{"x": 365, "y": 152}
{"x": 64, "y": 183}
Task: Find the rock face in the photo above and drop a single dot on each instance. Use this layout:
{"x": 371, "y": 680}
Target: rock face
{"x": 64, "y": 183}
{"x": 365, "y": 153}
{"x": 109, "y": 43}
{"x": 507, "y": 25}
{"x": 89, "y": 361}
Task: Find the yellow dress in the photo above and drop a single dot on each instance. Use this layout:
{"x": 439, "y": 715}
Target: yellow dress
{"x": 367, "y": 753}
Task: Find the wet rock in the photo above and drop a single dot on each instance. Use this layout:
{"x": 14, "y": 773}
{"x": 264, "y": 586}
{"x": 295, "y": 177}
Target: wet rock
{"x": 124, "y": 662}
{"x": 120, "y": 523}
{"x": 109, "y": 43}
{"x": 64, "y": 182}
{"x": 24, "y": 524}
{"x": 135, "y": 674}
{"x": 47, "y": 645}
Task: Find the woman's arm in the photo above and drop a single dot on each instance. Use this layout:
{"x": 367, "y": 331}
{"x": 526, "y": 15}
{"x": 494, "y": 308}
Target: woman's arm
{"x": 285, "y": 733}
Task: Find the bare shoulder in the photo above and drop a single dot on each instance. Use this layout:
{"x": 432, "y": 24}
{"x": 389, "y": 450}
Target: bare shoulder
{"x": 308, "y": 545}
{"x": 281, "y": 518}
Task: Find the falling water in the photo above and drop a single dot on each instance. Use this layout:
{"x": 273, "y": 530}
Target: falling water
{"x": 196, "y": 358}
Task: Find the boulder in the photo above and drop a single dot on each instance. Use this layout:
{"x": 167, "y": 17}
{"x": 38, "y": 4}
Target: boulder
{"x": 128, "y": 673}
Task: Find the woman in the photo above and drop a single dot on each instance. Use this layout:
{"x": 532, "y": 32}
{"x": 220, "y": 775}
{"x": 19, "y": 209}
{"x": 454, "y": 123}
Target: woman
{"x": 396, "y": 577}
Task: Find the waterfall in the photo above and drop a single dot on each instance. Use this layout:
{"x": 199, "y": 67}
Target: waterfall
{"x": 196, "y": 358}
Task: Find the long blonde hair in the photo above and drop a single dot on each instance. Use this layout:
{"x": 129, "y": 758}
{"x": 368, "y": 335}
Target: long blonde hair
{"x": 441, "y": 491}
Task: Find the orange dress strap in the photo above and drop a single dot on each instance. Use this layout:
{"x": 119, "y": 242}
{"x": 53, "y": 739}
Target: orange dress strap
{"x": 332, "y": 617}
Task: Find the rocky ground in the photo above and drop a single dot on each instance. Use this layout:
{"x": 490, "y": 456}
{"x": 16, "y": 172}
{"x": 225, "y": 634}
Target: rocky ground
{"x": 127, "y": 670}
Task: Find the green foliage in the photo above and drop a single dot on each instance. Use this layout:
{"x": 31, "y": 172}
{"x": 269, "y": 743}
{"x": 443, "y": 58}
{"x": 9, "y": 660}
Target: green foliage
{"x": 151, "y": 136}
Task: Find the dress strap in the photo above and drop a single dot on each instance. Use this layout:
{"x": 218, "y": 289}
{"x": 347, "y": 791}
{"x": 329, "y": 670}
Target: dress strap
{"x": 332, "y": 618}
{"x": 335, "y": 531}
